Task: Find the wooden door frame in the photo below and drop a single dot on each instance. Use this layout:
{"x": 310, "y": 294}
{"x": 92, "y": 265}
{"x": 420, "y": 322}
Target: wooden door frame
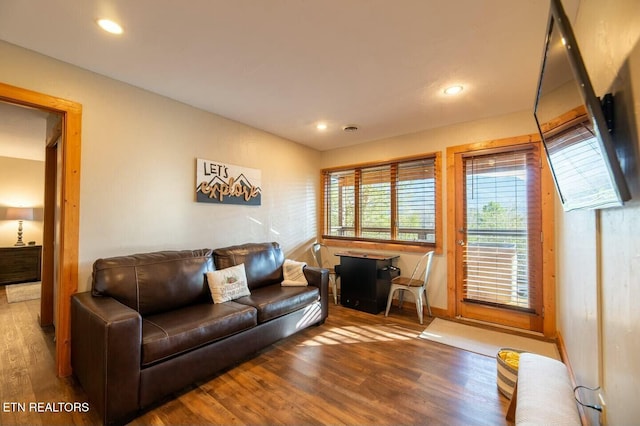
{"x": 71, "y": 113}
{"x": 548, "y": 227}
{"x": 54, "y": 135}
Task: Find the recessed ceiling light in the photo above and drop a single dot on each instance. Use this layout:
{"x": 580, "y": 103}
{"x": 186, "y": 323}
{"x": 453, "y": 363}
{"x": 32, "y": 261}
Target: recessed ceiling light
{"x": 350, "y": 128}
{"x": 453, "y": 90}
{"x": 110, "y": 26}
{"x": 321, "y": 126}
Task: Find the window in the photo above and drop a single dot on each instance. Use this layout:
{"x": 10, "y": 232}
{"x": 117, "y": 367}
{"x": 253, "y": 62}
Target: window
{"x": 395, "y": 202}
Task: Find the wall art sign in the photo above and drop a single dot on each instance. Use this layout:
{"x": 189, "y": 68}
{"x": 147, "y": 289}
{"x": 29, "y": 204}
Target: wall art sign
{"x": 227, "y": 183}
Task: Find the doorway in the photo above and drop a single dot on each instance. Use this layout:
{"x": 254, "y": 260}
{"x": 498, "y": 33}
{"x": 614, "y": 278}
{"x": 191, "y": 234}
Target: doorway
{"x": 66, "y": 170}
{"x": 499, "y": 253}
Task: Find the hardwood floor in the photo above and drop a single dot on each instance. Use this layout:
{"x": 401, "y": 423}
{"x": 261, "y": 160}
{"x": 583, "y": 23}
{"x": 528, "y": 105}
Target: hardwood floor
{"x": 357, "y": 368}
{"x": 30, "y": 392}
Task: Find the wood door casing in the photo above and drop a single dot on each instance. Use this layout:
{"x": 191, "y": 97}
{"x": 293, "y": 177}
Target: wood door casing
{"x": 71, "y": 113}
{"x": 544, "y": 323}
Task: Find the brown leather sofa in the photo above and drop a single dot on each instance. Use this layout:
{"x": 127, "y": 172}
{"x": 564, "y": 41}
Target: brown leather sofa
{"x": 149, "y": 327}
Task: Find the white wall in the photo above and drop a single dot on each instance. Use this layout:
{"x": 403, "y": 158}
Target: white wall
{"x": 21, "y": 185}
{"x": 138, "y": 168}
{"x": 599, "y": 253}
{"x": 427, "y": 142}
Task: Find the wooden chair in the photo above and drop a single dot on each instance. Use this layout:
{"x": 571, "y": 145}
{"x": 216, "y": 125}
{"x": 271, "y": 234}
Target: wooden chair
{"x": 320, "y": 254}
{"x": 416, "y": 284}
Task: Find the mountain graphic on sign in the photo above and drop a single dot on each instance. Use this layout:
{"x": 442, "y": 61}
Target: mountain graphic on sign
{"x": 244, "y": 181}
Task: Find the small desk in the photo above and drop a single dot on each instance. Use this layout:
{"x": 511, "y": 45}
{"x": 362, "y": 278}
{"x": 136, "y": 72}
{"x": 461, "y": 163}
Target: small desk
{"x": 365, "y": 279}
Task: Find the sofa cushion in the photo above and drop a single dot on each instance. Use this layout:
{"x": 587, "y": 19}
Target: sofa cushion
{"x": 274, "y": 300}
{"x": 154, "y": 282}
{"x": 171, "y": 333}
{"x": 262, "y": 262}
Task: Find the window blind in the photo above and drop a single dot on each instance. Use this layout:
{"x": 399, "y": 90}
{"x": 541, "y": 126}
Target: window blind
{"x": 503, "y": 229}
{"x": 340, "y": 203}
{"x": 416, "y": 201}
{"x": 375, "y": 203}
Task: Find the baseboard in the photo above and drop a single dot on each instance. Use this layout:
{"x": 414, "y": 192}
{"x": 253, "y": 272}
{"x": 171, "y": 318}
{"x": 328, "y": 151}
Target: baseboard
{"x": 439, "y": 312}
{"x": 436, "y": 312}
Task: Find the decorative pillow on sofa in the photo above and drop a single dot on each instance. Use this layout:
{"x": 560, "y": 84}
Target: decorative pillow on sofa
{"x": 228, "y": 284}
{"x": 293, "y": 273}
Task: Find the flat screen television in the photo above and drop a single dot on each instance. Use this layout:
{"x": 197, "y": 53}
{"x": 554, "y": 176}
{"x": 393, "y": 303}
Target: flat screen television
{"x": 572, "y": 124}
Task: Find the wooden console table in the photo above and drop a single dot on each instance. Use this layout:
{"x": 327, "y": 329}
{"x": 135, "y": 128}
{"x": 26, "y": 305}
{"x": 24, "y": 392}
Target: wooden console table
{"x": 365, "y": 279}
{"x": 20, "y": 264}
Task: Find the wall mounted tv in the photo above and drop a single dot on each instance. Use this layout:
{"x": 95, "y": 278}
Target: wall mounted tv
{"x": 572, "y": 123}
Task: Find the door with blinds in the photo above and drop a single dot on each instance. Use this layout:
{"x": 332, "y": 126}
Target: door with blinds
{"x": 499, "y": 236}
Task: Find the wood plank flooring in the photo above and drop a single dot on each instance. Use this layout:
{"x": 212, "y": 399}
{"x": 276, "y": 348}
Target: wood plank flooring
{"x": 357, "y": 368}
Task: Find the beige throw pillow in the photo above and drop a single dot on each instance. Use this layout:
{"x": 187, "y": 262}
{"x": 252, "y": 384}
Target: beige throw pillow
{"x": 228, "y": 284}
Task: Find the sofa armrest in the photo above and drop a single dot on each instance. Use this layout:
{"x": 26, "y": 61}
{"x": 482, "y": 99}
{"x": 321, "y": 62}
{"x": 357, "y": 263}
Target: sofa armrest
{"x": 106, "y": 342}
{"x": 319, "y": 277}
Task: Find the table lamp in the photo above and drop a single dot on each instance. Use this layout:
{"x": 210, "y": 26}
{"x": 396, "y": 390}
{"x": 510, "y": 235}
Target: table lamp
{"x": 19, "y": 214}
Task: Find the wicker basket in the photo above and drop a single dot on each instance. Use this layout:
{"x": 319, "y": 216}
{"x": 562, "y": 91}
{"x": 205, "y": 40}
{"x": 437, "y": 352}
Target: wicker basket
{"x": 507, "y": 375}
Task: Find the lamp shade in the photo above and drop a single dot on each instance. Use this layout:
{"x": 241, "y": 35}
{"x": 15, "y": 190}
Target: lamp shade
{"x": 19, "y": 213}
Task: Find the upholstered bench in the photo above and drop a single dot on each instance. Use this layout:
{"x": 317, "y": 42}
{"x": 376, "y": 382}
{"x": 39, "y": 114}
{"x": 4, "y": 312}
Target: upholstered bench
{"x": 543, "y": 394}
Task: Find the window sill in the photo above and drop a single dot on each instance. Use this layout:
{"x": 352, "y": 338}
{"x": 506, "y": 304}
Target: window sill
{"x": 371, "y": 245}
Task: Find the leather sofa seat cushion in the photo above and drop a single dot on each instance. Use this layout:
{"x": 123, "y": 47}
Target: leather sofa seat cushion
{"x": 262, "y": 262}
{"x": 167, "y": 334}
{"x": 274, "y": 300}
{"x": 155, "y": 282}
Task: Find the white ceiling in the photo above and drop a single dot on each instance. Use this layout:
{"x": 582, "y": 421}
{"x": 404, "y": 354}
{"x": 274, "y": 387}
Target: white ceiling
{"x": 284, "y": 65}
